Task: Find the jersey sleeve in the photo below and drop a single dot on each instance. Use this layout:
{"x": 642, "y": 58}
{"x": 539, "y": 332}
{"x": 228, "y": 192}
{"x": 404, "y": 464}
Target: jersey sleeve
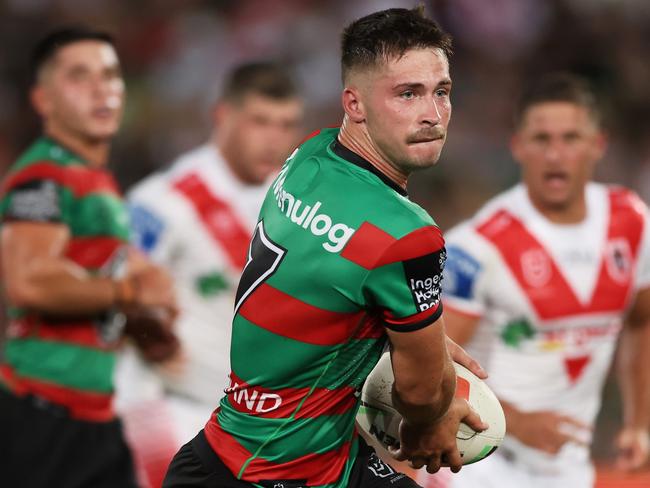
{"x": 404, "y": 285}
{"x": 465, "y": 278}
{"x": 152, "y": 220}
{"x": 33, "y": 199}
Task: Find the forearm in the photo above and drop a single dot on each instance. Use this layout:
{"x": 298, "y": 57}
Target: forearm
{"x": 634, "y": 375}
{"x": 60, "y": 287}
{"x": 426, "y": 400}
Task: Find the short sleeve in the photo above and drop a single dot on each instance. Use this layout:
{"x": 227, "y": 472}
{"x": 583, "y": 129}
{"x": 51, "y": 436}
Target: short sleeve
{"x": 405, "y": 286}
{"x": 35, "y": 200}
{"x": 465, "y": 286}
{"x": 158, "y": 219}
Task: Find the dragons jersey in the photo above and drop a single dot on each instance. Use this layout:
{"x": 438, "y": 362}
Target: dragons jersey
{"x": 551, "y": 299}
{"x": 66, "y": 361}
{"x": 196, "y": 219}
{"x": 338, "y": 254}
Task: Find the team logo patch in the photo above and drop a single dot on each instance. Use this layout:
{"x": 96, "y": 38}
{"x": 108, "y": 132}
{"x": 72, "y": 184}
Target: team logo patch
{"x": 536, "y": 267}
{"x": 35, "y": 200}
{"x": 424, "y": 277}
{"x": 146, "y": 226}
{"x": 461, "y": 272}
{"x": 618, "y": 260}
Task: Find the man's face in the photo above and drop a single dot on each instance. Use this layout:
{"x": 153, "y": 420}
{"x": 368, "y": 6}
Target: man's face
{"x": 80, "y": 92}
{"x": 257, "y": 134}
{"x": 557, "y": 145}
{"x": 407, "y": 107}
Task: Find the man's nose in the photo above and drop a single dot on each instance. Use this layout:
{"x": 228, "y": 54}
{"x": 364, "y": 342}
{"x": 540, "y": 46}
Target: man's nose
{"x": 431, "y": 115}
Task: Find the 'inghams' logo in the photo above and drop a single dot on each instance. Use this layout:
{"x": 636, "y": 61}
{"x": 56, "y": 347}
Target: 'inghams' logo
{"x": 307, "y": 216}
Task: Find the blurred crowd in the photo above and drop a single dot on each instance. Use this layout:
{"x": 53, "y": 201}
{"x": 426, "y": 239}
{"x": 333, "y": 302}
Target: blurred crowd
{"x": 175, "y": 54}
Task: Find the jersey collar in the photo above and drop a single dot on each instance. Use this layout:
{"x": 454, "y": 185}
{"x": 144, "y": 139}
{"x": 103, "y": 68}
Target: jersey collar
{"x": 351, "y": 157}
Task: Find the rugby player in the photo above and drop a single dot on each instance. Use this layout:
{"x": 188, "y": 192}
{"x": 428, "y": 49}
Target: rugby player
{"x": 540, "y": 283}
{"x": 67, "y": 271}
{"x": 342, "y": 263}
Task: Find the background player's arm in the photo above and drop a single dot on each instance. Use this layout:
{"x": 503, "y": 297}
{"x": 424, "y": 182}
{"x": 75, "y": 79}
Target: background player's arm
{"x": 634, "y": 379}
{"x": 37, "y": 275}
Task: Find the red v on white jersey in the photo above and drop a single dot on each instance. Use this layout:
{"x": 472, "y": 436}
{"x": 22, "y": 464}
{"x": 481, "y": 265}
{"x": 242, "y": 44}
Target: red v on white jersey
{"x": 540, "y": 278}
{"x": 220, "y": 220}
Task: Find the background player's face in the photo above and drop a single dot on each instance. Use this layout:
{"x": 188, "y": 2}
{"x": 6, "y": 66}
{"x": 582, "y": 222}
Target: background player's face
{"x": 80, "y": 92}
{"x": 407, "y": 108}
{"x": 258, "y": 134}
{"x": 557, "y": 145}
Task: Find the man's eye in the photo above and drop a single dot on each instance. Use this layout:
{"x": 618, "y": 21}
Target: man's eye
{"x": 407, "y": 95}
{"x": 441, "y": 92}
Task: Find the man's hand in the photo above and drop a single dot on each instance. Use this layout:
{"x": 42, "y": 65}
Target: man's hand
{"x": 546, "y": 431}
{"x": 434, "y": 445}
{"x": 633, "y": 448}
{"x": 460, "y": 356}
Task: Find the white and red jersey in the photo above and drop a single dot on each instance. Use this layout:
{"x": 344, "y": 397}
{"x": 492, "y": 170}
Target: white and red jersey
{"x": 196, "y": 219}
{"x": 551, "y": 299}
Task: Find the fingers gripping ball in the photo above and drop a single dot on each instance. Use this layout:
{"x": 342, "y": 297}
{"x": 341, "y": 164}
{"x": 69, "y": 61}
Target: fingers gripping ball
{"x": 379, "y": 419}
{"x": 152, "y": 334}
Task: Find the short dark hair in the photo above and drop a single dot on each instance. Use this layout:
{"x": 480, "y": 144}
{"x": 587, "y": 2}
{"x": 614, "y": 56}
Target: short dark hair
{"x": 558, "y": 87}
{"x": 388, "y": 34}
{"x": 49, "y": 45}
{"x": 268, "y": 79}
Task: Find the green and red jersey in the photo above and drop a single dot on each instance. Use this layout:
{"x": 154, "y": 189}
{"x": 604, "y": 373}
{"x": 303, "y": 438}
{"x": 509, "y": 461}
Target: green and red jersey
{"x": 67, "y": 361}
{"x": 339, "y": 254}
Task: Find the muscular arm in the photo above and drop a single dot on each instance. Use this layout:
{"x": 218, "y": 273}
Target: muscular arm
{"x": 37, "y": 276}
{"x": 425, "y": 380}
{"x": 634, "y": 379}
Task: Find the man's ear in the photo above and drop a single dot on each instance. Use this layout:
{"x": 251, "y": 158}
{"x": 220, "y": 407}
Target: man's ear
{"x": 220, "y": 113}
{"x": 352, "y": 104}
{"x": 40, "y": 101}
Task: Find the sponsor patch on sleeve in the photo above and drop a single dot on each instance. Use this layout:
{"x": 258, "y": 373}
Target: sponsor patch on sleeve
{"x": 461, "y": 273}
{"x": 36, "y": 201}
{"x": 424, "y": 278}
{"x": 146, "y": 227}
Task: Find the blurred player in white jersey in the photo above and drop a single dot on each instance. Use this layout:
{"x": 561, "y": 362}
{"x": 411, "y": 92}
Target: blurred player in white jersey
{"x": 538, "y": 286}
{"x": 196, "y": 219}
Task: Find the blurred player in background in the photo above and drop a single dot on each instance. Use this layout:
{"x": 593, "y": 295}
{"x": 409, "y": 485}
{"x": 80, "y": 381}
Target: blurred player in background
{"x": 342, "y": 261}
{"x": 538, "y": 286}
{"x": 67, "y": 272}
{"x": 196, "y": 219}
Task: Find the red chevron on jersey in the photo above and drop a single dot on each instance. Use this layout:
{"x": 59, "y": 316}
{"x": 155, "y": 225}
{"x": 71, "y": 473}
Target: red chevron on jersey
{"x": 317, "y": 469}
{"x": 539, "y": 277}
{"x": 290, "y": 317}
{"x": 218, "y": 217}
{"x": 574, "y": 366}
{"x": 285, "y": 402}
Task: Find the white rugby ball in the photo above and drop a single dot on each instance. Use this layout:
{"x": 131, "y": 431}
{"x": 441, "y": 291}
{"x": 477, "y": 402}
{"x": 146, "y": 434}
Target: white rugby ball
{"x": 380, "y": 420}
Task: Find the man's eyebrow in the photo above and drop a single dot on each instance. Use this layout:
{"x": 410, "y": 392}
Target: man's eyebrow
{"x": 412, "y": 86}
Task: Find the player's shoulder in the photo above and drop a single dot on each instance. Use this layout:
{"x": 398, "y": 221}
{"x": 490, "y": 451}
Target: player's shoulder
{"x": 622, "y": 198}
{"x": 467, "y": 241}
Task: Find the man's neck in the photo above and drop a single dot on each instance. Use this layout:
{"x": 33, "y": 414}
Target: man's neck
{"x": 571, "y": 213}
{"x": 356, "y": 138}
{"x": 94, "y": 153}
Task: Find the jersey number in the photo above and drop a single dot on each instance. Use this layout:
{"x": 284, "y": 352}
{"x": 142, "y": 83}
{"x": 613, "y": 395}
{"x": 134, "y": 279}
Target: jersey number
{"x": 264, "y": 257}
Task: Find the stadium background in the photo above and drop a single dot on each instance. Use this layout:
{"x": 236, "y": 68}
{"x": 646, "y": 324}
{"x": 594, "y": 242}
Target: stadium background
{"x": 174, "y": 54}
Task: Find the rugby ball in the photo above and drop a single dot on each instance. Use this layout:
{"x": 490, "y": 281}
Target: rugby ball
{"x": 379, "y": 420}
